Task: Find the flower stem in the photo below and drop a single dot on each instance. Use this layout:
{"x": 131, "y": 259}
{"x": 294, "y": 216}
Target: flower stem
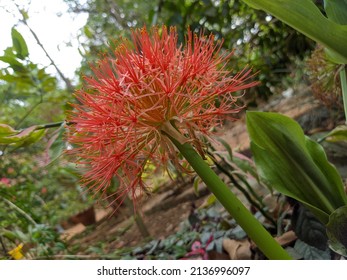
{"x": 255, "y": 230}
{"x": 137, "y": 217}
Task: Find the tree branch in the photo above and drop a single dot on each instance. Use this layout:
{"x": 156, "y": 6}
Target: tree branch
{"x": 114, "y": 14}
{"x": 60, "y": 73}
{"x": 157, "y": 12}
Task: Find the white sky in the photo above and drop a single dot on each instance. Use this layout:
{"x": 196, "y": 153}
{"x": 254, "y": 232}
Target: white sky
{"x": 58, "y": 34}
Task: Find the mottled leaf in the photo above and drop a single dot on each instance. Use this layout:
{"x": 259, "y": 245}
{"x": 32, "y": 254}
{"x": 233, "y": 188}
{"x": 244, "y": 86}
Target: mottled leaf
{"x": 337, "y": 230}
{"x": 308, "y": 229}
{"x": 311, "y": 253}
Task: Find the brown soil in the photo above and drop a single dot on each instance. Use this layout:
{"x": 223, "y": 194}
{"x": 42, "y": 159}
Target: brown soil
{"x": 161, "y": 213}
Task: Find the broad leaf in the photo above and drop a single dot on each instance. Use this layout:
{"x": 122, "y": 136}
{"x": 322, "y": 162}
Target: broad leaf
{"x": 336, "y": 191}
{"x": 337, "y": 230}
{"x": 336, "y": 10}
{"x": 19, "y": 44}
{"x": 34, "y": 137}
{"x": 293, "y": 164}
{"x": 311, "y": 253}
{"x": 308, "y": 229}
{"x": 13, "y": 62}
{"x": 278, "y": 174}
{"x": 305, "y": 16}
{"x": 19, "y": 138}
{"x": 6, "y": 130}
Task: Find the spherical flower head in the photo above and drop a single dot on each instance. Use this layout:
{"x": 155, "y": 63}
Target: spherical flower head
{"x": 148, "y": 88}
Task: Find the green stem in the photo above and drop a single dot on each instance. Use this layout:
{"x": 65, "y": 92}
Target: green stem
{"x": 137, "y": 217}
{"x": 344, "y": 90}
{"x": 255, "y": 230}
{"x": 19, "y": 210}
{"x": 49, "y": 125}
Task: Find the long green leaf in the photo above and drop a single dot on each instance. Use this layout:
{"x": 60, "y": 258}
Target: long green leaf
{"x": 278, "y": 174}
{"x": 293, "y": 164}
{"x": 336, "y": 191}
{"x": 304, "y": 16}
{"x": 336, "y": 10}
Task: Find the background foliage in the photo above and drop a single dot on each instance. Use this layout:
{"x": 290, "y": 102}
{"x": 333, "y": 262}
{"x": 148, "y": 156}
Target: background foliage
{"x": 258, "y": 39}
{"x": 35, "y": 196}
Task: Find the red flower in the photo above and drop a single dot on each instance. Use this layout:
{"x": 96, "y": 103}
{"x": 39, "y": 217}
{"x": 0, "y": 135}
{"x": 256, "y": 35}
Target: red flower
{"x": 135, "y": 95}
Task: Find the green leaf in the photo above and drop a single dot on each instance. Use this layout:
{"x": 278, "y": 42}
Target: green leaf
{"x": 88, "y": 31}
{"x": 6, "y": 130}
{"x": 13, "y": 62}
{"x": 9, "y": 235}
{"x": 278, "y": 174}
{"x": 197, "y": 181}
{"x": 27, "y": 136}
{"x": 10, "y": 78}
{"x": 56, "y": 145}
{"x": 305, "y": 16}
{"x": 308, "y": 229}
{"x": 227, "y": 147}
{"x": 336, "y": 10}
{"x": 293, "y": 164}
{"x": 34, "y": 137}
{"x": 337, "y": 230}
{"x": 210, "y": 200}
{"x": 311, "y": 253}
{"x": 245, "y": 164}
{"x": 19, "y": 44}
{"x": 334, "y": 57}
{"x": 17, "y": 136}
{"x": 338, "y": 134}
{"x": 24, "y": 14}
{"x": 336, "y": 191}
